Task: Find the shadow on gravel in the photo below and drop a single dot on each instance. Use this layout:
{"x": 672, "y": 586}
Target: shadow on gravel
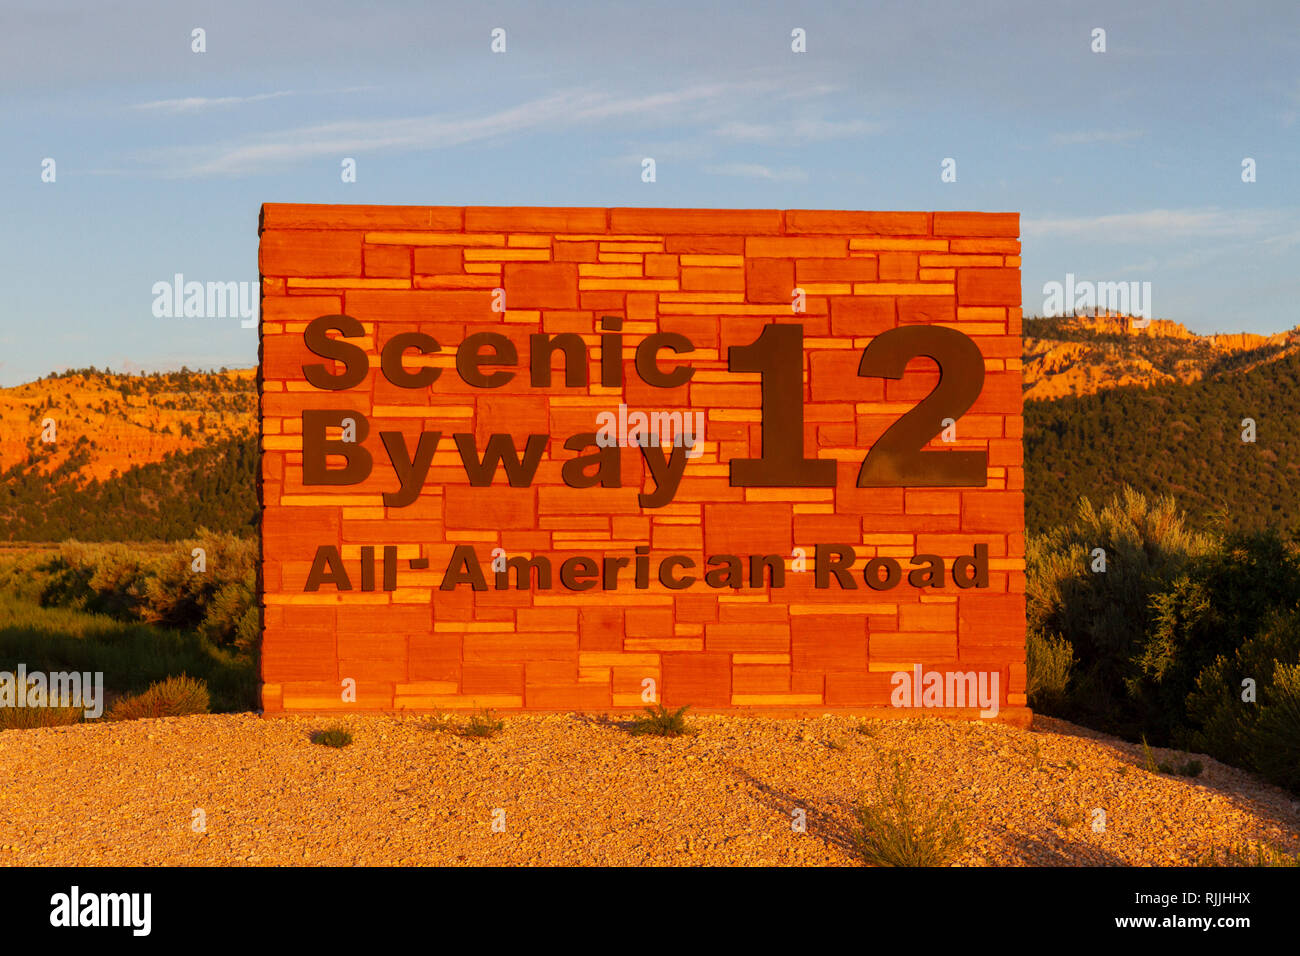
{"x": 833, "y": 830}
{"x": 1048, "y": 849}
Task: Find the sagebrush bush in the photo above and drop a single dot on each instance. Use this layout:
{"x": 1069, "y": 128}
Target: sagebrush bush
{"x": 898, "y": 827}
{"x": 173, "y": 697}
{"x": 1048, "y": 662}
{"x": 29, "y": 718}
{"x": 216, "y": 600}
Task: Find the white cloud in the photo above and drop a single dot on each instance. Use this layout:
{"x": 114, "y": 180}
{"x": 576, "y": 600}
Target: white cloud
{"x": 192, "y": 104}
{"x": 757, "y": 171}
{"x": 797, "y": 130}
{"x": 349, "y": 137}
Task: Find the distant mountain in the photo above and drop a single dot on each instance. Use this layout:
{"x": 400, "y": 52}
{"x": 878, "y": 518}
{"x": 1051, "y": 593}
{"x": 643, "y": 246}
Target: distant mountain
{"x": 1082, "y": 355}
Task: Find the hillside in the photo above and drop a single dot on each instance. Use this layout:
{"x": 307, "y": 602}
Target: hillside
{"x": 112, "y": 422}
{"x": 1183, "y": 439}
{"x": 1082, "y": 355}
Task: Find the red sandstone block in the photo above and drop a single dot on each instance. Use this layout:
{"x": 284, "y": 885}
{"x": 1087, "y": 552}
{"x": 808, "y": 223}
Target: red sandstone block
{"x": 927, "y": 617}
{"x": 499, "y": 506}
{"x": 1006, "y": 451}
{"x": 286, "y": 657}
{"x": 977, "y": 224}
{"x": 649, "y": 622}
{"x": 604, "y": 303}
{"x": 748, "y": 638}
{"x": 760, "y": 528}
{"x": 576, "y": 252}
{"x": 705, "y": 279}
{"x": 543, "y": 673}
{"x": 925, "y": 501}
{"x": 1002, "y": 394}
{"x": 701, "y": 680}
{"x": 538, "y": 285}
{"x": 705, "y": 245}
{"x": 861, "y": 689}
{"x": 750, "y": 613}
{"x": 992, "y": 511}
{"x": 387, "y": 305}
{"x": 534, "y": 219}
{"x": 898, "y": 266}
{"x": 568, "y": 697}
{"x": 301, "y": 252}
{"x": 533, "y": 646}
{"x": 760, "y": 679}
{"x": 768, "y": 280}
{"x": 956, "y": 544}
{"x": 720, "y": 221}
{"x": 548, "y": 619}
{"x": 835, "y": 378}
{"x": 1001, "y": 346}
{"x": 601, "y": 628}
{"x": 299, "y": 308}
{"x": 439, "y": 261}
{"x": 660, "y": 265}
{"x": 988, "y": 286}
{"x": 387, "y": 261}
{"x": 276, "y": 215}
{"x": 914, "y": 309}
{"x": 296, "y": 532}
{"x": 832, "y": 642}
{"x": 810, "y": 529}
{"x": 482, "y": 678}
{"x": 862, "y": 316}
{"x": 857, "y": 223}
{"x": 399, "y": 618}
{"x": 694, "y": 608}
{"x": 991, "y": 618}
{"x": 836, "y": 270}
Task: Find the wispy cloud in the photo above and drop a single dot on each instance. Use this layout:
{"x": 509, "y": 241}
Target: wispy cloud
{"x": 1163, "y": 225}
{"x": 1087, "y": 137}
{"x": 757, "y": 171}
{"x": 192, "y": 104}
{"x": 682, "y": 107}
{"x": 797, "y": 130}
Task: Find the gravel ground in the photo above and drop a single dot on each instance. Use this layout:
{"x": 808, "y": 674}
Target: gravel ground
{"x": 581, "y": 790}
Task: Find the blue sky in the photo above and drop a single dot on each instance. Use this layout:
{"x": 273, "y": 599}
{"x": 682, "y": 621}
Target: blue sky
{"x": 1125, "y": 165}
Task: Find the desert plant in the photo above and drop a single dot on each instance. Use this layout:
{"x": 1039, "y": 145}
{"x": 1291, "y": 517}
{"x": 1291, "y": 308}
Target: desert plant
{"x": 173, "y": 697}
{"x": 483, "y": 725}
{"x": 336, "y": 737}
{"x": 1048, "y": 662}
{"x": 659, "y": 721}
{"x": 29, "y": 718}
{"x": 899, "y": 827}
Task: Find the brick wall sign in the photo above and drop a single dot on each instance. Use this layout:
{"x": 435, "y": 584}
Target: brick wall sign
{"x": 587, "y": 459}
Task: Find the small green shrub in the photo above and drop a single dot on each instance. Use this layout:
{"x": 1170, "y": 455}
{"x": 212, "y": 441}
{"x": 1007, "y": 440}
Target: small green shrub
{"x": 336, "y": 737}
{"x": 1249, "y": 854}
{"x": 1048, "y": 662}
{"x": 662, "y": 722}
{"x": 901, "y": 828}
{"x": 173, "y": 697}
{"x": 483, "y": 725}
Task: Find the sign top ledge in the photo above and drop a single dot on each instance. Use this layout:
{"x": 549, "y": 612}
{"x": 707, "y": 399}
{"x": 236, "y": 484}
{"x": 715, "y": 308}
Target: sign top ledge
{"x": 626, "y": 220}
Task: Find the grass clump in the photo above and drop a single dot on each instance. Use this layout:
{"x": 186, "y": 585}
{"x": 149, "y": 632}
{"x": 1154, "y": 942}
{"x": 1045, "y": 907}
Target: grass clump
{"x": 1249, "y": 854}
{"x": 659, "y": 721}
{"x": 173, "y": 697}
{"x": 898, "y": 827}
{"x": 483, "y": 725}
{"x": 336, "y": 737}
{"x": 30, "y": 718}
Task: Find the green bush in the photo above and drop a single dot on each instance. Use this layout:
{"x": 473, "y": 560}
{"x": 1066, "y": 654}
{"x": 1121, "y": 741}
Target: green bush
{"x": 901, "y": 828}
{"x": 1274, "y": 746}
{"x": 659, "y": 721}
{"x": 1048, "y": 662}
{"x": 336, "y": 737}
{"x": 173, "y": 697}
{"x": 29, "y": 718}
